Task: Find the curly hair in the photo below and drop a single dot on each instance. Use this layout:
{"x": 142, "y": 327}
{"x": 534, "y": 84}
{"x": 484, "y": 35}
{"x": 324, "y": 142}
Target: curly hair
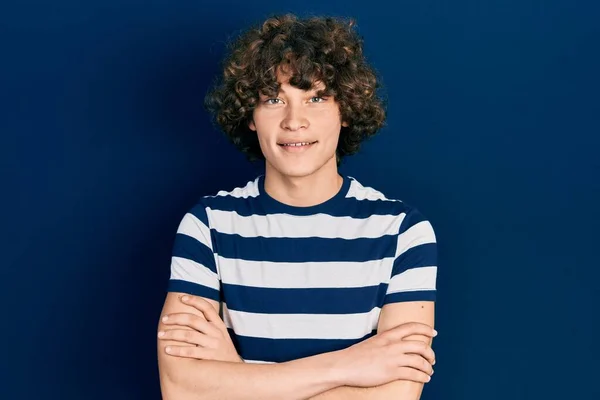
{"x": 309, "y": 50}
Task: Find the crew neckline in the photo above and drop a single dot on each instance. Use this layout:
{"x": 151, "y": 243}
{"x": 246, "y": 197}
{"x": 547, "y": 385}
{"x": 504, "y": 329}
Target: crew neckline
{"x": 275, "y": 206}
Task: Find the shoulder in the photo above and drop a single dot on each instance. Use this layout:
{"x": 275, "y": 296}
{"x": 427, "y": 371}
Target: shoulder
{"x": 225, "y": 198}
{"x": 374, "y": 198}
{"x": 205, "y": 209}
{"x": 379, "y": 203}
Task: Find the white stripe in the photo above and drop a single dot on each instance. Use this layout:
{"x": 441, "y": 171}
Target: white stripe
{"x": 301, "y": 326}
{"x": 304, "y": 275}
{"x": 250, "y": 190}
{"x": 360, "y": 192}
{"x": 191, "y": 226}
{"x": 293, "y": 226}
{"x": 258, "y": 362}
{"x": 422, "y": 278}
{"x": 418, "y": 234}
{"x": 191, "y": 271}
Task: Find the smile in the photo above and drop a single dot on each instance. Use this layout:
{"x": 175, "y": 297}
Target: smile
{"x": 296, "y": 144}
{"x": 297, "y": 147}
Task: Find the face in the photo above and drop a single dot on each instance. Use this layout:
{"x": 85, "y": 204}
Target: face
{"x": 298, "y": 131}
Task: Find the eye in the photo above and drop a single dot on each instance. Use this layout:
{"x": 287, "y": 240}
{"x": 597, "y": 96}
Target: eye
{"x": 317, "y": 99}
{"x": 272, "y": 101}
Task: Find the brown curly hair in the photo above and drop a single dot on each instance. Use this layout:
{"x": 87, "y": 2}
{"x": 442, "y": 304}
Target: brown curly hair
{"x": 315, "y": 49}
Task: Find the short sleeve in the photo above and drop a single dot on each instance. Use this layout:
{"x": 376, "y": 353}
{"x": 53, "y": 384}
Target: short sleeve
{"x": 414, "y": 271}
{"x": 193, "y": 267}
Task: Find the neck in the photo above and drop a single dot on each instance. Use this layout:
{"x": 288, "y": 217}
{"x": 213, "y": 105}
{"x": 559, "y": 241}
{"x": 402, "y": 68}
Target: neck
{"x": 303, "y": 191}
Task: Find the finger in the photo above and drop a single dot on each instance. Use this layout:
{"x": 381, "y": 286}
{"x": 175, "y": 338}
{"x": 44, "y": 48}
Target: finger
{"x": 416, "y": 347}
{"x": 193, "y": 321}
{"x": 408, "y": 329}
{"x": 188, "y": 336}
{"x": 200, "y": 304}
{"x": 198, "y": 353}
{"x": 411, "y": 374}
{"x": 207, "y": 309}
{"x": 416, "y": 362}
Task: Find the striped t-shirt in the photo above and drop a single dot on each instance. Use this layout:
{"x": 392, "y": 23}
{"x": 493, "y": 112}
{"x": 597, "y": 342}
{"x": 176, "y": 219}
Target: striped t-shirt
{"x": 299, "y": 281}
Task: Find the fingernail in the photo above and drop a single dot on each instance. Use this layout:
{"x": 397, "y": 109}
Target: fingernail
{"x": 165, "y": 318}
{"x": 168, "y": 349}
{"x": 161, "y": 334}
{"x": 435, "y": 332}
{"x": 428, "y": 378}
{"x": 185, "y": 298}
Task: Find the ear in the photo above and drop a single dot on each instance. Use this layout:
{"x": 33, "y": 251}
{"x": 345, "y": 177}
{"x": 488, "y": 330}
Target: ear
{"x": 251, "y": 125}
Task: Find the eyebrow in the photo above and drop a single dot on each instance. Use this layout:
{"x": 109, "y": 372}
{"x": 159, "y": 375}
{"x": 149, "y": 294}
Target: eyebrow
{"x": 319, "y": 88}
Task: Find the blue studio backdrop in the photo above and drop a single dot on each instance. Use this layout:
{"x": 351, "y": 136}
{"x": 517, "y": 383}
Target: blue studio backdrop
{"x": 493, "y": 133}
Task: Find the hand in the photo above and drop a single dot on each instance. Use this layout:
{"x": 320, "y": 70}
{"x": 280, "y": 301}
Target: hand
{"x": 208, "y": 334}
{"x": 386, "y": 357}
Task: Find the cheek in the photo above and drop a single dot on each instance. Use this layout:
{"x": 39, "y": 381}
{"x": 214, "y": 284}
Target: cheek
{"x": 330, "y": 125}
{"x": 266, "y": 127}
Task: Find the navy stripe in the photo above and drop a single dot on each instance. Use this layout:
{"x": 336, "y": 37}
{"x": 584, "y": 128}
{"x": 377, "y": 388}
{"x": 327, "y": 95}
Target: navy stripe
{"x": 283, "y": 350}
{"x": 304, "y": 301}
{"x": 245, "y": 207}
{"x": 413, "y": 217}
{"x": 363, "y": 209}
{"x": 359, "y": 209}
{"x": 199, "y": 211}
{"x": 424, "y": 255}
{"x": 305, "y": 249}
{"x": 176, "y": 285}
{"x": 416, "y": 295}
{"x": 187, "y": 247}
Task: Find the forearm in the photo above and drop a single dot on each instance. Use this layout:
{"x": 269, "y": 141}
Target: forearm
{"x": 295, "y": 380}
{"x": 399, "y": 390}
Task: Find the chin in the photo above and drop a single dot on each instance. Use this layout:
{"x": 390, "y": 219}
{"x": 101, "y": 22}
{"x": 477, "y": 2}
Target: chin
{"x": 297, "y": 171}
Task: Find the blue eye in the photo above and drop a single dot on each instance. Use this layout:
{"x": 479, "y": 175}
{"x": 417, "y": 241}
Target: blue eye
{"x": 317, "y": 99}
{"x": 272, "y": 101}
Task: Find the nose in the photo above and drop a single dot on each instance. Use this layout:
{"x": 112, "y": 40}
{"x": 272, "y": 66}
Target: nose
{"x": 294, "y": 118}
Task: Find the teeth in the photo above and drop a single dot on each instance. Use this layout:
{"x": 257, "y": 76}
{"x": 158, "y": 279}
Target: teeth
{"x": 296, "y": 144}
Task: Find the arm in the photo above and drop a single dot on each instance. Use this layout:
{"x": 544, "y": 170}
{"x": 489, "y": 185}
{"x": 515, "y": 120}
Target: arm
{"x": 187, "y": 373}
{"x": 410, "y": 298}
{"x": 183, "y": 379}
{"x": 392, "y": 315}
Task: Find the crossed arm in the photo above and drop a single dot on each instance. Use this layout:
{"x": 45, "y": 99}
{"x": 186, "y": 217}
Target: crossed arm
{"x": 329, "y": 376}
{"x": 392, "y": 315}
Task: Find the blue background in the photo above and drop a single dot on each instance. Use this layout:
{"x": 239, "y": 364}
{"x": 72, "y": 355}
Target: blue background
{"x": 493, "y": 133}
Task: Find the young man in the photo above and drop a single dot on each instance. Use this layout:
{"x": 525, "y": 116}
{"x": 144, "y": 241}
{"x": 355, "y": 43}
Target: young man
{"x": 326, "y": 287}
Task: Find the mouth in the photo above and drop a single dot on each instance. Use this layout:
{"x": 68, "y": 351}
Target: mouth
{"x": 296, "y": 147}
{"x": 296, "y": 144}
